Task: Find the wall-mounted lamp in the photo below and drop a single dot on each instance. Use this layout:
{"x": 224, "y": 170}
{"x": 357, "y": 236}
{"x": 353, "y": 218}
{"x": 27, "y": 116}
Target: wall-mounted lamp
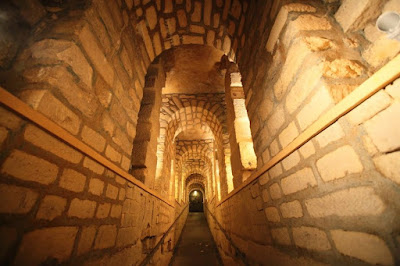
{"x": 389, "y": 23}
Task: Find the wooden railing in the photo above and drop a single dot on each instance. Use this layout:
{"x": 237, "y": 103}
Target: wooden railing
{"x": 376, "y": 82}
{"x": 42, "y": 121}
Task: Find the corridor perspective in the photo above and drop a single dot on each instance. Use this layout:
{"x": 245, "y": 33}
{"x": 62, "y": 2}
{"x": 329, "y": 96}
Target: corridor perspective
{"x": 199, "y": 132}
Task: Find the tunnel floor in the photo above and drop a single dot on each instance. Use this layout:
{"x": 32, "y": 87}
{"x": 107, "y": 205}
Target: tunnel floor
{"x": 196, "y": 246}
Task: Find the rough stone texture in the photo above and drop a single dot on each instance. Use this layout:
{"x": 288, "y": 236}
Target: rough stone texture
{"x": 339, "y": 163}
{"x": 275, "y": 191}
{"x": 111, "y": 191}
{"x": 272, "y": 214}
{"x": 16, "y": 199}
{"x": 96, "y": 186}
{"x": 93, "y": 166}
{"x": 388, "y": 165}
{"x": 82, "y": 208}
{"x": 361, "y": 201}
{"x": 106, "y": 237}
{"x": 43, "y": 140}
{"x": 72, "y": 180}
{"x": 29, "y": 168}
{"x": 37, "y": 246}
{"x": 369, "y": 108}
{"x": 366, "y": 247}
{"x": 319, "y": 103}
{"x": 353, "y": 16}
{"x": 92, "y": 138}
{"x": 298, "y": 181}
{"x": 291, "y": 209}
{"x": 281, "y": 235}
{"x": 310, "y": 238}
{"x": 51, "y": 207}
{"x": 288, "y": 134}
{"x": 50, "y": 106}
{"x": 383, "y": 133}
{"x": 86, "y": 239}
{"x": 329, "y": 135}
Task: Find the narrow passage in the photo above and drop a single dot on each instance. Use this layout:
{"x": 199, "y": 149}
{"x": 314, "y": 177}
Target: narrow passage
{"x": 197, "y": 246}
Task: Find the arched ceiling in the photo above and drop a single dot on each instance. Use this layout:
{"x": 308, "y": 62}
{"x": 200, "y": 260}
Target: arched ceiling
{"x": 193, "y": 69}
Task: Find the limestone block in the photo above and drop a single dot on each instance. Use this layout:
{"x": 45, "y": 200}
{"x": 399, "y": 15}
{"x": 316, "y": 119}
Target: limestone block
{"x": 361, "y": 201}
{"x": 310, "y": 238}
{"x": 383, "y": 131}
{"x": 196, "y": 15}
{"x": 72, "y": 180}
{"x": 319, "y": 103}
{"x": 93, "y": 139}
{"x": 29, "y": 168}
{"x": 281, "y": 235}
{"x": 9, "y": 120}
{"x": 111, "y": 192}
{"x": 181, "y": 14}
{"x": 366, "y": 247}
{"x": 307, "y": 149}
{"x": 291, "y": 161}
{"x": 275, "y": 171}
{"x": 93, "y": 166}
{"x": 67, "y": 52}
{"x": 16, "y": 199}
{"x": 64, "y": 81}
{"x": 44, "y": 102}
{"x": 51, "y": 207}
{"x": 106, "y": 237}
{"x": 47, "y": 142}
{"x": 127, "y": 236}
{"x": 288, "y": 134}
{"x": 389, "y": 166}
{"x": 86, "y": 239}
{"x": 380, "y": 51}
{"x": 333, "y": 133}
{"x": 369, "y": 108}
{"x": 96, "y": 186}
{"x": 275, "y": 191}
{"x": 304, "y": 23}
{"x": 303, "y": 86}
{"x": 151, "y": 17}
{"x": 291, "y": 209}
{"x": 276, "y": 120}
{"x": 298, "y": 181}
{"x": 339, "y": 163}
{"x": 82, "y": 208}
{"x": 53, "y": 242}
{"x": 280, "y": 22}
{"x": 354, "y": 15}
{"x": 264, "y": 178}
{"x": 265, "y": 195}
{"x": 317, "y": 44}
{"x": 272, "y": 214}
{"x": 342, "y": 68}
{"x": 294, "y": 59}
{"x": 96, "y": 55}
{"x": 116, "y": 211}
{"x": 112, "y": 154}
{"x": 103, "y": 210}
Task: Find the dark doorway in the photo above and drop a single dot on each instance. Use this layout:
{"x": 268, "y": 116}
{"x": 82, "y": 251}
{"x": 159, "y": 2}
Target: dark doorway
{"x": 196, "y": 201}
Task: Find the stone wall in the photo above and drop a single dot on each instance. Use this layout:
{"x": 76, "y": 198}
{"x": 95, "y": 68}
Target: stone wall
{"x": 83, "y": 66}
{"x": 334, "y": 200}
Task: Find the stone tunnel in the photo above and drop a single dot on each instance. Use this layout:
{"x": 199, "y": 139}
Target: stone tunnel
{"x": 283, "y": 115}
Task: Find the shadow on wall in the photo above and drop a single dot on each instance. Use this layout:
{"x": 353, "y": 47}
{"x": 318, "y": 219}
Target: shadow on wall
{"x": 196, "y": 201}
